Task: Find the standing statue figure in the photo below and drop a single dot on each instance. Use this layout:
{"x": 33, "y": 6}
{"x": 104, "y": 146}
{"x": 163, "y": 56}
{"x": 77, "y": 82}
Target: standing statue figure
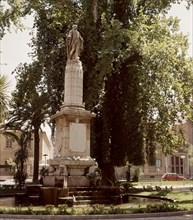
{"x": 74, "y": 43}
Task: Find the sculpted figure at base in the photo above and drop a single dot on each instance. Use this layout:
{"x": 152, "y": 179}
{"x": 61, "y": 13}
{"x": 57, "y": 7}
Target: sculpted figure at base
{"x": 74, "y": 43}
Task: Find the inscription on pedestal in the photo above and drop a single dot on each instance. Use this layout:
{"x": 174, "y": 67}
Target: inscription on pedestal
{"x": 78, "y": 137}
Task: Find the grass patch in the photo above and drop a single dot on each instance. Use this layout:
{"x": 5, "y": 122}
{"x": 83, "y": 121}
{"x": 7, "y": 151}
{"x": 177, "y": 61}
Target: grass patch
{"x": 164, "y": 183}
{"x": 184, "y": 199}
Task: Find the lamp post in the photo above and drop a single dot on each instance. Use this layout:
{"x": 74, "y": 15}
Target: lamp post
{"x": 45, "y": 155}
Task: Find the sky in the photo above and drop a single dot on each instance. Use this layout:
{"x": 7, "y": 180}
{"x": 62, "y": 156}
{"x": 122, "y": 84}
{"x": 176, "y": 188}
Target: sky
{"x": 14, "y": 50}
{"x": 14, "y": 47}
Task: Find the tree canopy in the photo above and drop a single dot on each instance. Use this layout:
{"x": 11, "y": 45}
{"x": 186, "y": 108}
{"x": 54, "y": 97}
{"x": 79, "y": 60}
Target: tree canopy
{"x": 4, "y": 98}
{"x": 148, "y": 84}
{"x": 137, "y": 74}
{"x": 30, "y": 105}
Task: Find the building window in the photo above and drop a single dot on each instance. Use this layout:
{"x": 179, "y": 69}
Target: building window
{"x": 177, "y": 161}
{"x": 9, "y": 142}
{"x": 172, "y": 159}
{"x": 177, "y": 165}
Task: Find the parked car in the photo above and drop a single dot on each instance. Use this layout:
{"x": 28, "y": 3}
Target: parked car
{"x": 172, "y": 177}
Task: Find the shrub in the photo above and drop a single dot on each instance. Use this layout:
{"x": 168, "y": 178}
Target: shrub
{"x": 97, "y": 210}
{"x": 113, "y": 210}
{"x": 63, "y": 210}
{"x": 49, "y": 209}
{"x": 163, "y": 207}
{"x": 2, "y": 210}
{"x": 136, "y": 175}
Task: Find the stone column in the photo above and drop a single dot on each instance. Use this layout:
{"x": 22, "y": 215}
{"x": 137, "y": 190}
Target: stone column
{"x": 73, "y": 91}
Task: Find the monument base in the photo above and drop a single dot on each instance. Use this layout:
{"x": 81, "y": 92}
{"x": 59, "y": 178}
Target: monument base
{"x": 70, "y": 172}
{"x": 66, "y": 181}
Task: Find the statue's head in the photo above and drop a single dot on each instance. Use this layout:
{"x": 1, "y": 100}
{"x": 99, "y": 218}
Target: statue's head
{"x": 74, "y": 27}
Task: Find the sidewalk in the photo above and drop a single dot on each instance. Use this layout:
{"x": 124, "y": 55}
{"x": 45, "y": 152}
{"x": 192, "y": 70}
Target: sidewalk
{"x": 83, "y": 217}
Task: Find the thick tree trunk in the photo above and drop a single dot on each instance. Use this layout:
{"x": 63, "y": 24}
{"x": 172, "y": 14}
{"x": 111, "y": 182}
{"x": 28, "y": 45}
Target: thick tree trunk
{"x": 108, "y": 175}
{"x": 36, "y": 155}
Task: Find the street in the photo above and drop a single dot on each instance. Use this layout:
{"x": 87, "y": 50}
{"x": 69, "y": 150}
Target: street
{"x": 183, "y": 217}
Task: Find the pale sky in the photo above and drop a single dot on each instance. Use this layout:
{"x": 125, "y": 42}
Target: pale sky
{"x": 14, "y": 49}
{"x": 14, "y": 46}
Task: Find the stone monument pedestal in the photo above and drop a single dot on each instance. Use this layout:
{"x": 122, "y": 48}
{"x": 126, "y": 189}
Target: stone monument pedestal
{"x": 72, "y": 138}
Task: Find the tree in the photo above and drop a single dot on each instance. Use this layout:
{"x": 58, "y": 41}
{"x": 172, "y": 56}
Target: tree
{"x": 4, "y": 98}
{"x": 30, "y": 106}
{"x": 10, "y": 14}
{"x": 147, "y": 88}
{"x": 21, "y": 155}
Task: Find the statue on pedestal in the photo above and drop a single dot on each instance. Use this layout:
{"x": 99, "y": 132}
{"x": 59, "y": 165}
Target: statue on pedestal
{"x": 72, "y": 140}
{"x": 74, "y": 43}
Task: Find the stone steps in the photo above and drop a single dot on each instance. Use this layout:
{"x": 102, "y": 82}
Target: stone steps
{"x": 90, "y": 202}
{"x": 91, "y": 195}
{"x": 86, "y": 193}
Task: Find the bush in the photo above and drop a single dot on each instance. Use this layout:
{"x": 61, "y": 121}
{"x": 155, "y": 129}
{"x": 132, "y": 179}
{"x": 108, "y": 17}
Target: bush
{"x": 20, "y": 176}
{"x": 63, "y": 210}
{"x": 97, "y": 210}
{"x": 113, "y": 210}
{"x": 136, "y": 175}
{"x": 2, "y": 210}
{"x": 49, "y": 209}
{"x": 164, "y": 207}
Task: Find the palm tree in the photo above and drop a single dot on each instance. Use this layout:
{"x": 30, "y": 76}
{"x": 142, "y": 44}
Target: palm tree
{"x": 21, "y": 155}
{"x": 4, "y": 98}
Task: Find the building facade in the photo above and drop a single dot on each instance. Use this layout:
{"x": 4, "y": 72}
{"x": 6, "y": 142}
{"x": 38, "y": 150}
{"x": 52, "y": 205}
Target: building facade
{"x": 8, "y": 147}
{"x": 179, "y": 161}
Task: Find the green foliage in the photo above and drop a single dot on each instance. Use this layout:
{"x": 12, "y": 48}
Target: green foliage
{"x": 30, "y": 105}
{"x": 10, "y": 13}
{"x": 147, "y": 83}
{"x": 21, "y": 155}
{"x": 115, "y": 210}
{"x": 4, "y": 98}
{"x": 164, "y": 207}
{"x": 20, "y": 177}
{"x": 64, "y": 210}
{"x": 49, "y": 209}
{"x": 136, "y": 175}
{"x": 97, "y": 210}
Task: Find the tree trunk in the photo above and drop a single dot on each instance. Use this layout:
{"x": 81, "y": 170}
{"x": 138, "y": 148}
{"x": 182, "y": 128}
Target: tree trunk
{"x": 108, "y": 175}
{"x": 36, "y": 155}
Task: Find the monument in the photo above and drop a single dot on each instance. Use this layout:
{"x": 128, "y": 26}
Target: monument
{"x": 72, "y": 161}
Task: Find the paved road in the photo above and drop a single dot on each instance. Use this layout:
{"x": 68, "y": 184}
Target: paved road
{"x": 186, "y": 217}
{"x": 182, "y": 217}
